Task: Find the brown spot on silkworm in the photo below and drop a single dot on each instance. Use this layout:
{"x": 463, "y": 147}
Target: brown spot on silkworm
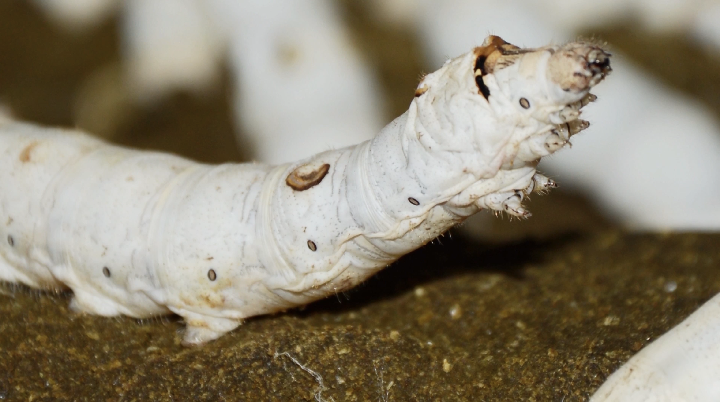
{"x": 25, "y": 155}
{"x": 11, "y": 241}
{"x": 492, "y": 52}
{"x": 211, "y": 300}
{"x": 212, "y": 275}
{"x": 525, "y": 103}
{"x": 495, "y": 54}
{"x": 414, "y": 201}
{"x": 106, "y": 272}
{"x": 306, "y": 176}
{"x": 484, "y": 90}
{"x": 421, "y": 90}
{"x": 311, "y": 245}
{"x": 479, "y": 72}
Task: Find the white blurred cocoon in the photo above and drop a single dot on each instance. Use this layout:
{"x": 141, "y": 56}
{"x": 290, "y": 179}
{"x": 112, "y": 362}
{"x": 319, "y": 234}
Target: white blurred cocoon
{"x": 654, "y": 15}
{"x": 169, "y": 45}
{"x": 699, "y": 19}
{"x": 300, "y": 86}
{"x": 78, "y": 15}
{"x": 706, "y": 26}
{"x": 651, "y": 156}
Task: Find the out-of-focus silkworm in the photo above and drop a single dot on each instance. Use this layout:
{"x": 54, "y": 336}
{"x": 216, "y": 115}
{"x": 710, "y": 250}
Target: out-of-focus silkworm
{"x": 681, "y": 365}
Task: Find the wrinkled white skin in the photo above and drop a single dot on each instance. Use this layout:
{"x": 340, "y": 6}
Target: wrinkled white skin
{"x": 682, "y": 365}
{"x": 142, "y": 234}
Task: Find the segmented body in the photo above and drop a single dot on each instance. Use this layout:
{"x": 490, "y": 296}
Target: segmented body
{"x": 141, "y": 233}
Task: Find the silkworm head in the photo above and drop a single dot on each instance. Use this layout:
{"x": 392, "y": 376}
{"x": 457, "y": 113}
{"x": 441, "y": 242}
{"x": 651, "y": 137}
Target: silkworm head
{"x": 542, "y": 80}
{"x": 574, "y": 68}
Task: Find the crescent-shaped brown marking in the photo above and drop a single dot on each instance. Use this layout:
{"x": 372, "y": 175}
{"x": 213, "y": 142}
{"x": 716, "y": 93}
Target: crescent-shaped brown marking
{"x": 301, "y": 181}
{"x": 26, "y": 153}
{"x": 495, "y": 55}
{"x": 421, "y": 90}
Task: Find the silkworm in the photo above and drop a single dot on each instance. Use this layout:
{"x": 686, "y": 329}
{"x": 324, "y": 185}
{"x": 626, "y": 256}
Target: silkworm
{"x": 143, "y": 233}
{"x": 681, "y": 365}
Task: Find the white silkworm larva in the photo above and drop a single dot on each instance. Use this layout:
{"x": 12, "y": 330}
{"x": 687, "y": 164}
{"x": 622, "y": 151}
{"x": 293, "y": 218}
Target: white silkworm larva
{"x": 681, "y": 365}
{"x": 142, "y": 233}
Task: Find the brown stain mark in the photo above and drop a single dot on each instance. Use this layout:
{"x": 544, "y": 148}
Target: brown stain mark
{"x": 303, "y": 177}
{"x": 487, "y": 56}
{"x": 494, "y": 55}
{"x": 421, "y": 90}
{"x": 203, "y": 298}
{"x": 288, "y": 55}
{"x": 211, "y": 300}
{"x": 25, "y": 155}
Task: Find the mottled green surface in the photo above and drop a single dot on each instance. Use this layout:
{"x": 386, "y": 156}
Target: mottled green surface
{"x": 542, "y": 320}
{"x": 527, "y": 321}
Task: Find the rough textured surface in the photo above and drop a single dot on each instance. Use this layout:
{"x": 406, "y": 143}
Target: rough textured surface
{"x": 535, "y": 320}
{"x": 528, "y": 321}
